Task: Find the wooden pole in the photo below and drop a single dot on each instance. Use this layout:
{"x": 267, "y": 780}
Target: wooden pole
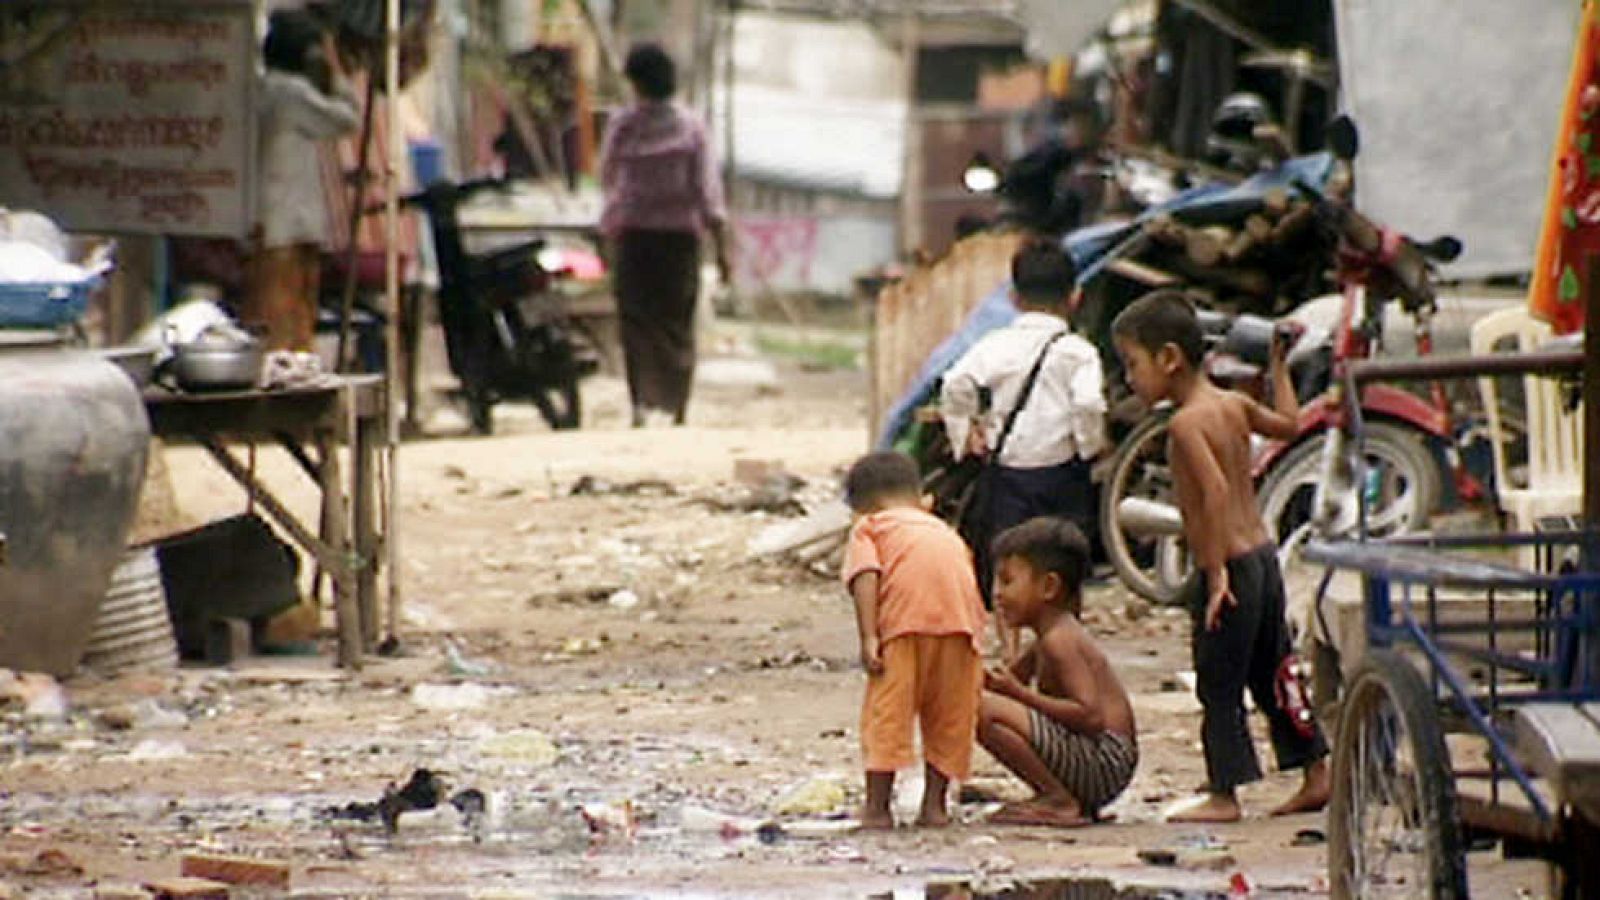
{"x": 358, "y": 210}
{"x": 1591, "y": 405}
{"x": 609, "y": 54}
{"x": 911, "y": 164}
{"x": 395, "y": 153}
{"x": 728, "y": 142}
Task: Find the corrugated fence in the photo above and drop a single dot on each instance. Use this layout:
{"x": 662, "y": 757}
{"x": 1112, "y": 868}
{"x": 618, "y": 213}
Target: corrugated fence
{"x": 914, "y": 315}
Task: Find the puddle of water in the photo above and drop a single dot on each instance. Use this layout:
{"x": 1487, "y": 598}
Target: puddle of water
{"x": 1047, "y": 889}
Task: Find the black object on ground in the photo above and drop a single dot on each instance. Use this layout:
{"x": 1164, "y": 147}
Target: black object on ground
{"x": 234, "y": 568}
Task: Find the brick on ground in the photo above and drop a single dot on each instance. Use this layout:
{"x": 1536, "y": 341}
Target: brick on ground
{"x": 120, "y": 892}
{"x": 236, "y": 869}
{"x": 187, "y": 889}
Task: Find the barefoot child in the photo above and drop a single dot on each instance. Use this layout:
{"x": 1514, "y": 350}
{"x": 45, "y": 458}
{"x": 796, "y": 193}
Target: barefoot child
{"x": 920, "y": 619}
{"x": 1236, "y": 596}
{"x": 1073, "y": 738}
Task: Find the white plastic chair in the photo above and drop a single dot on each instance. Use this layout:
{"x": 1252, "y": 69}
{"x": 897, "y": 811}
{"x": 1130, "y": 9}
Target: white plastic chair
{"x": 1555, "y": 435}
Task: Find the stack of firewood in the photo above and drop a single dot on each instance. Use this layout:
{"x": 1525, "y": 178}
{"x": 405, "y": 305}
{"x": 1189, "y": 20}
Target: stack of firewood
{"x": 1273, "y": 260}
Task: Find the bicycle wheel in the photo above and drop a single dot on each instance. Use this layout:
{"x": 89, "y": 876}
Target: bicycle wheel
{"x": 1392, "y": 826}
{"x": 1152, "y": 567}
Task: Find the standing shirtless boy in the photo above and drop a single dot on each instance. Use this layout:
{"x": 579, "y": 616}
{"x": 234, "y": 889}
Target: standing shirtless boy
{"x": 1236, "y": 597}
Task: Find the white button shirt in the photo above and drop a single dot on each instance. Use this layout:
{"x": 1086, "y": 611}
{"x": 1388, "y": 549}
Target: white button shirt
{"x": 294, "y": 118}
{"x": 1065, "y": 414}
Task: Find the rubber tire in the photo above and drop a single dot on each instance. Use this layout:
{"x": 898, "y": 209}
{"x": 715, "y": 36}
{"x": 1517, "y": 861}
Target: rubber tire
{"x": 1111, "y": 537}
{"x": 1384, "y": 673}
{"x": 560, "y": 406}
{"x": 1406, "y": 445}
{"x": 480, "y": 412}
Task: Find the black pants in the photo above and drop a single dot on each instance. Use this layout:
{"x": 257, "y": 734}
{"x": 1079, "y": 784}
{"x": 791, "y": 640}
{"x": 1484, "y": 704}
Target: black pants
{"x": 1244, "y": 652}
{"x": 657, "y": 282}
{"x": 1017, "y": 495}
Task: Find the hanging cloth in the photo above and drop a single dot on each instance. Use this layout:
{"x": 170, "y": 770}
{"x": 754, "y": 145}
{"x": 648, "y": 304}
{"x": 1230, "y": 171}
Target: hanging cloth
{"x": 1567, "y": 261}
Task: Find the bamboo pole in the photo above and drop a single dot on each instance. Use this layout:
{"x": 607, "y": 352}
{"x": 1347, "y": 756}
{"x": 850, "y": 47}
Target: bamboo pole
{"x": 911, "y": 211}
{"x": 391, "y": 224}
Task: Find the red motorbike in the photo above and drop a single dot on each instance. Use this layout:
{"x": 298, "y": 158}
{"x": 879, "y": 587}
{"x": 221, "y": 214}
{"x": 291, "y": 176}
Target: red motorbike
{"x": 1410, "y": 444}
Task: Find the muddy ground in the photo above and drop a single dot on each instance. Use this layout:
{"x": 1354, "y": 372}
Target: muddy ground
{"x": 630, "y": 690}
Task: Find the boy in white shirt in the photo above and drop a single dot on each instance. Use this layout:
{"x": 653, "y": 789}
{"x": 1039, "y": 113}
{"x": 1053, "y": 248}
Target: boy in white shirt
{"x": 1041, "y": 450}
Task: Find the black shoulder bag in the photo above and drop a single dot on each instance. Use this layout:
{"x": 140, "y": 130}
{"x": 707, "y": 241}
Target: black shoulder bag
{"x": 972, "y": 515}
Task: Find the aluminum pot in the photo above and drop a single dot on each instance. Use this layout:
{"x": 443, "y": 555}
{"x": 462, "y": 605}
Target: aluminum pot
{"x": 217, "y": 366}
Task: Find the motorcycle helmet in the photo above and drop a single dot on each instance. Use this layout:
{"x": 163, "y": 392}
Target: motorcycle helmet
{"x": 1232, "y": 142}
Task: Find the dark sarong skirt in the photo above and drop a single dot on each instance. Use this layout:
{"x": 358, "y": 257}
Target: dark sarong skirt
{"x": 657, "y": 280}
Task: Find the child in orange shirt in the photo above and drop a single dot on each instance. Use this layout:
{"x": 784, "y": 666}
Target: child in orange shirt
{"x": 920, "y": 618}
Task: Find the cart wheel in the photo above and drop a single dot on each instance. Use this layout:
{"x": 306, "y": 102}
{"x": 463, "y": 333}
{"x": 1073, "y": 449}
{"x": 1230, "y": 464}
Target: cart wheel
{"x": 1392, "y": 827}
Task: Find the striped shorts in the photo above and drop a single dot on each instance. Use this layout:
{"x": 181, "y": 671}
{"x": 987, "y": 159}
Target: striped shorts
{"x": 1094, "y": 768}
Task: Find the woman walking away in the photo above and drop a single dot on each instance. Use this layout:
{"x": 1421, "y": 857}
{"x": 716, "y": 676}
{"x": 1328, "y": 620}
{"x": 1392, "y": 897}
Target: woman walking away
{"x": 662, "y": 192}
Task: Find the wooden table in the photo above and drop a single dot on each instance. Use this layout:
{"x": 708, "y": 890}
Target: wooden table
{"x": 309, "y": 423}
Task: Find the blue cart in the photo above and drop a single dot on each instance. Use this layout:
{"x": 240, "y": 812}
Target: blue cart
{"x": 1456, "y": 728}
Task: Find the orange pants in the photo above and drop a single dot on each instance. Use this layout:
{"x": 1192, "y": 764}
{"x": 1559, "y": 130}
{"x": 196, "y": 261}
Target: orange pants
{"x": 282, "y": 295}
{"x": 935, "y": 680}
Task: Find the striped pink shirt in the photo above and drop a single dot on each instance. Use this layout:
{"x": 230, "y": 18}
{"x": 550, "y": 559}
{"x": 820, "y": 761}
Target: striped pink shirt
{"x": 658, "y": 171}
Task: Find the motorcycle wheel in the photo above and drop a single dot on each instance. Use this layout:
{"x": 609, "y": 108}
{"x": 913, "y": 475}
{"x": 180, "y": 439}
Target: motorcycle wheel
{"x": 1154, "y": 568}
{"x": 480, "y": 411}
{"x": 1408, "y": 486}
{"x": 560, "y": 405}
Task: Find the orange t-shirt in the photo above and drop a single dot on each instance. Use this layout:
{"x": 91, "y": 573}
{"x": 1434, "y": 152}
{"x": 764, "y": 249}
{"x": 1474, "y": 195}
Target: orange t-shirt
{"x": 926, "y": 583}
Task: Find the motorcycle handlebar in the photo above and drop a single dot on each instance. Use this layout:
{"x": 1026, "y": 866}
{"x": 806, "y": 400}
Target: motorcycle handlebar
{"x": 1396, "y": 254}
{"x": 460, "y": 189}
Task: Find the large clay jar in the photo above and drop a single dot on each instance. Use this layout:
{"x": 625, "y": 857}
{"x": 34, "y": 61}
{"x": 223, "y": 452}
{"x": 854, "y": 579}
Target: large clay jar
{"x": 73, "y": 441}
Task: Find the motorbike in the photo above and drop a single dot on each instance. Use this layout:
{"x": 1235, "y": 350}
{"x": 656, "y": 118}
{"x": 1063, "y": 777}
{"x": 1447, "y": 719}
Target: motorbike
{"x": 507, "y": 334}
{"x": 1410, "y": 449}
{"x": 1118, "y": 262}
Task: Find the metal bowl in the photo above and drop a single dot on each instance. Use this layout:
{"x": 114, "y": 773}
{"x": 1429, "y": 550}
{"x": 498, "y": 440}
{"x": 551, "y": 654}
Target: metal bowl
{"x": 138, "y": 363}
{"x": 207, "y": 367}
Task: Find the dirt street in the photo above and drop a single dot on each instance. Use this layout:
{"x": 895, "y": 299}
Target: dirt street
{"x": 633, "y": 695}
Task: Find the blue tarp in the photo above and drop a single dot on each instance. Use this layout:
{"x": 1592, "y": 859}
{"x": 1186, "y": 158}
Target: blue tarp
{"x": 1089, "y": 248}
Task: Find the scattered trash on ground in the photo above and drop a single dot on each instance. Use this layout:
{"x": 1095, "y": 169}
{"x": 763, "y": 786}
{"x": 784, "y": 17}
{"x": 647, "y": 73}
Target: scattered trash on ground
{"x": 817, "y": 796}
{"x": 1309, "y": 837}
{"x": 39, "y": 695}
{"x": 821, "y": 532}
{"x": 606, "y": 820}
{"x": 592, "y": 486}
{"x": 157, "y": 751}
{"x": 459, "y": 664}
{"x": 527, "y": 747}
{"x": 453, "y": 697}
{"x": 145, "y": 714}
{"x": 48, "y": 863}
{"x": 423, "y": 791}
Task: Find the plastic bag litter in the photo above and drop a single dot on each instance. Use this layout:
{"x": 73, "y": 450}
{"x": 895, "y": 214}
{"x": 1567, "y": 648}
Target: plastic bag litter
{"x": 817, "y": 796}
{"x": 531, "y": 748}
